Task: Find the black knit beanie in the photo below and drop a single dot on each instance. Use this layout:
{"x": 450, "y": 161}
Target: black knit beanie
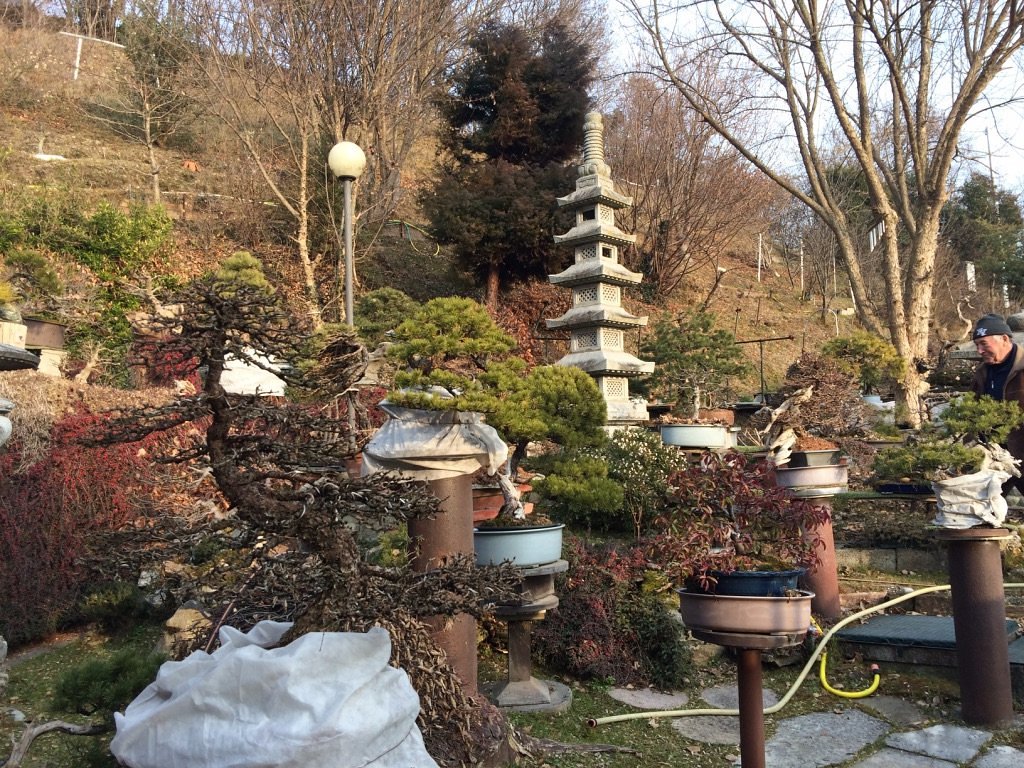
{"x": 991, "y": 325}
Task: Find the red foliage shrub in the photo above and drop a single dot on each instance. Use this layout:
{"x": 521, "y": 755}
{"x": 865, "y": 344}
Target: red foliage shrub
{"x": 48, "y": 511}
{"x": 607, "y": 625}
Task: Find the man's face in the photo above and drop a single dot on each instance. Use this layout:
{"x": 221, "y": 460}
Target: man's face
{"x": 993, "y": 349}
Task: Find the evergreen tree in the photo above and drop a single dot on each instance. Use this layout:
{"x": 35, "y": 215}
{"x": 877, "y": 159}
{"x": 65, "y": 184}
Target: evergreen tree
{"x": 515, "y": 117}
{"x": 983, "y": 225}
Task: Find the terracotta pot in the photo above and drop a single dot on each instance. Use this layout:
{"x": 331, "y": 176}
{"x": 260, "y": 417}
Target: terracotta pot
{"x": 790, "y": 615}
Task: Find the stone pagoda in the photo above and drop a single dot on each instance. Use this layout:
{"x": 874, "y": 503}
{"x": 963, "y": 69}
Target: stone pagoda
{"x": 597, "y": 322}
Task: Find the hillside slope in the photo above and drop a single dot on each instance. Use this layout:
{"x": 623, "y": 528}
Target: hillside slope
{"x": 43, "y": 112}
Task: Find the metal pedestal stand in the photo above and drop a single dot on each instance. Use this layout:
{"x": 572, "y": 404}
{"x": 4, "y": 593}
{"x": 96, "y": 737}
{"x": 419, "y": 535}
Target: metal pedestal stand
{"x": 751, "y": 697}
{"x": 979, "y": 621}
{"x": 522, "y": 692}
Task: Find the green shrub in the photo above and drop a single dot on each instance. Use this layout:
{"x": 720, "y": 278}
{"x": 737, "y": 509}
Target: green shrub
{"x": 104, "y": 686}
{"x": 923, "y": 461}
{"x": 970, "y": 417}
{"x": 578, "y": 491}
{"x": 380, "y": 311}
{"x": 115, "y": 607}
{"x": 642, "y": 464}
{"x": 873, "y": 361}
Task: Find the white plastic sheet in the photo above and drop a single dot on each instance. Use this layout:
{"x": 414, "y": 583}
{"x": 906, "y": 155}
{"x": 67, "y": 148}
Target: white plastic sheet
{"x": 433, "y": 445}
{"x": 325, "y": 700}
{"x": 971, "y": 500}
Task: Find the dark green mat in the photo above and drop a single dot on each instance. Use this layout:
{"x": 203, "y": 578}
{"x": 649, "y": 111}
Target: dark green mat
{"x": 915, "y": 631}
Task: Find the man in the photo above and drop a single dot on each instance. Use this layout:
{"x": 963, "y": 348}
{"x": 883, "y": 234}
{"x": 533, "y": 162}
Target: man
{"x": 999, "y": 376}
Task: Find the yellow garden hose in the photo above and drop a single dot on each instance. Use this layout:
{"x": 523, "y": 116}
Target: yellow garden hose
{"x": 835, "y": 691}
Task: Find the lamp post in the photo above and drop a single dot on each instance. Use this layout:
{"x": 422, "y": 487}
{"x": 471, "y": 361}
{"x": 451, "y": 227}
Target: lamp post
{"x": 346, "y": 161}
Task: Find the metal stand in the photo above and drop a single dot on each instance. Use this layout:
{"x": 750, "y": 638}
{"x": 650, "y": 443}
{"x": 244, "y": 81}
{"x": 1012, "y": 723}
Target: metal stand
{"x": 522, "y": 692}
{"x": 749, "y": 679}
{"x": 979, "y": 621}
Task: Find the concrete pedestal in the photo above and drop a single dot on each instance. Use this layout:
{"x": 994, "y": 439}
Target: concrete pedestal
{"x": 522, "y": 692}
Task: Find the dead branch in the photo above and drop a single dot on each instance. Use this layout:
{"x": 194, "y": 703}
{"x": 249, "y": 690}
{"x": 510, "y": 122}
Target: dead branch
{"x": 36, "y": 730}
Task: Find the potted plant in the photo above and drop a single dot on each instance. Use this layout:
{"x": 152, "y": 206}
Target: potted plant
{"x": 692, "y": 360}
{"x": 965, "y": 442}
{"x": 729, "y": 528}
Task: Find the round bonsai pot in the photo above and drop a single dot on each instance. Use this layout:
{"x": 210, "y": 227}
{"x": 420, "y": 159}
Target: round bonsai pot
{"x": 524, "y": 546}
{"x": 825, "y": 476}
{"x": 756, "y": 583}
{"x": 752, "y": 615}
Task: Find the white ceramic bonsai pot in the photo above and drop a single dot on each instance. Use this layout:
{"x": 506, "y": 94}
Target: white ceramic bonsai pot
{"x": 826, "y": 475}
{"x": 524, "y": 546}
{"x": 787, "y": 615}
{"x": 698, "y": 435}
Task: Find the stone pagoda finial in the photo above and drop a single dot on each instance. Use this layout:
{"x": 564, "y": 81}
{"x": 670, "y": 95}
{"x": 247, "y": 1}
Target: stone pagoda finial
{"x": 593, "y": 147}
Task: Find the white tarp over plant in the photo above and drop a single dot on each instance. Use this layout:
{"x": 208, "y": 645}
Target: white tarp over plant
{"x": 325, "y": 700}
{"x": 433, "y": 445}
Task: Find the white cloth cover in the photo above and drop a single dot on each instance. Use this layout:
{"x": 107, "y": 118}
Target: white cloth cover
{"x": 971, "y": 500}
{"x": 433, "y": 445}
{"x": 325, "y": 700}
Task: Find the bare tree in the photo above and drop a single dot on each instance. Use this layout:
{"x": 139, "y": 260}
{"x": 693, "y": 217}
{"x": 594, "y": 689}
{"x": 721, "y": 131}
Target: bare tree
{"x": 290, "y": 79}
{"x": 895, "y": 81}
{"x": 694, "y": 197}
{"x": 152, "y": 101}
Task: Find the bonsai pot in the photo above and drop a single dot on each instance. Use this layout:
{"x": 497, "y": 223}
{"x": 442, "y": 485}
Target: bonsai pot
{"x": 815, "y": 458}
{"x": 805, "y": 480}
{"x": 788, "y": 615}
{"x": 756, "y": 583}
{"x": 525, "y": 546}
{"x": 698, "y": 435}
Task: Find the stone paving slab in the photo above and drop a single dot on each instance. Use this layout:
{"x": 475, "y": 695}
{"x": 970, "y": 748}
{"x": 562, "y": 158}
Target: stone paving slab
{"x": 822, "y": 738}
{"x": 946, "y": 742}
{"x": 728, "y": 696}
{"x": 645, "y": 698}
{"x": 1000, "y": 757}
{"x": 895, "y": 710}
{"x": 897, "y": 758}
{"x": 709, "y": 729}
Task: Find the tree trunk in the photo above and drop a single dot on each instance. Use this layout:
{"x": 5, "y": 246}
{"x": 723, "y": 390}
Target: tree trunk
{"x": 493, "y": 286}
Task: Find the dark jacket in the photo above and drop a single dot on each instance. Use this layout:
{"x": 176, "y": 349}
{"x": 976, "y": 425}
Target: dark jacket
{"x": 1012, "y": 390}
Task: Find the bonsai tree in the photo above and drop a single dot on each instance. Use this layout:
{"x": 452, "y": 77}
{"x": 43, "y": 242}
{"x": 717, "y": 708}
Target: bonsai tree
{"x": 454, "y": 357}
{"x": 692, "y": 358}
{"x": 276, "y": 462}
{"x": 725, "y": 513}
{"x": 967, "y": 438}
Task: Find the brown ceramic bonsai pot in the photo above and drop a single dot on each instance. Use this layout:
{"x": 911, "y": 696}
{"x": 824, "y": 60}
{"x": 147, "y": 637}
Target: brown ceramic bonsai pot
{"x": 788, "y": 615}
